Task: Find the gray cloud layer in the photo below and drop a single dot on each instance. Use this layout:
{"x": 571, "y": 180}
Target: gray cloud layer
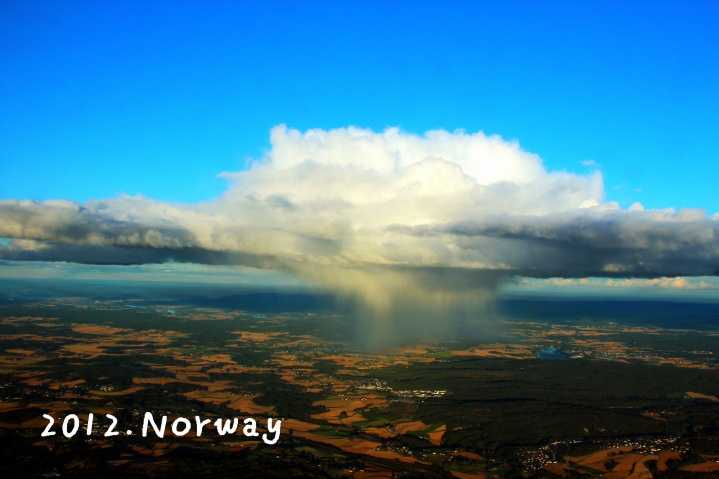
{"x": 593, "y": 243}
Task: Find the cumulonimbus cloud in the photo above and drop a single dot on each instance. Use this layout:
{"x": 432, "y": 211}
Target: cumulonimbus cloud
{"x": 414, "y": 226}
{"x": 351, "y": 197}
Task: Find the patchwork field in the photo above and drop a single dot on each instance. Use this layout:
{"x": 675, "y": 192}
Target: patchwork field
{"x": 620, "y": 401}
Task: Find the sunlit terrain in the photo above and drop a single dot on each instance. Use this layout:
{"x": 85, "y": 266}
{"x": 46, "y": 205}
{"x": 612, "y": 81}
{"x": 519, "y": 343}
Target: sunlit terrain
{"x": 544, "y": 396}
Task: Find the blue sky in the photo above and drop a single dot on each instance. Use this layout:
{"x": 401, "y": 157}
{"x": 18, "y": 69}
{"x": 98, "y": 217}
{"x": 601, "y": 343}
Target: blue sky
{"x": 104, "y": 98}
